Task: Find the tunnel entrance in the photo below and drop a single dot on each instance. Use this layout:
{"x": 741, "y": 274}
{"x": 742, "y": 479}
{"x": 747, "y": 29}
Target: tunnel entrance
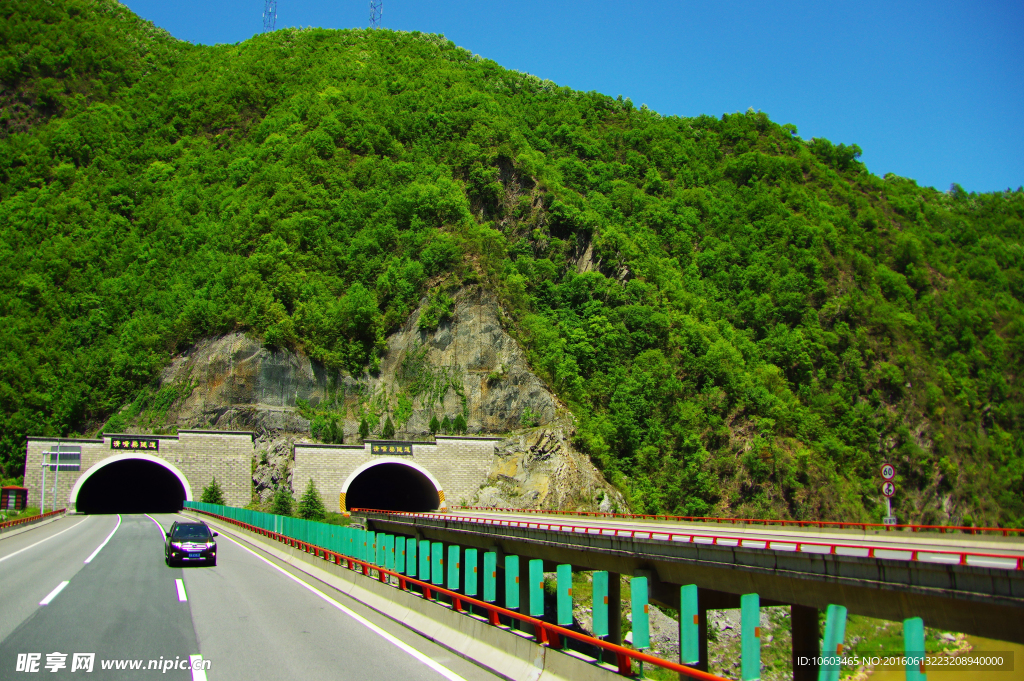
{"x": 131, "y": 486}
{"x": 393, "y": 487}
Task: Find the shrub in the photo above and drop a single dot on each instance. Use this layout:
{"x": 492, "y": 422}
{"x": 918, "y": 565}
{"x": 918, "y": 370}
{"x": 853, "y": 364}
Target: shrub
{"x": 212, "y": 493}
{"x": 311, "y": 506}
{"x": 283, "y": 502}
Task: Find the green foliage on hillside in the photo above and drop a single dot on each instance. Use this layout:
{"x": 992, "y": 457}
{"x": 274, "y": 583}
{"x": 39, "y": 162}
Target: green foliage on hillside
{"x": 744, "y": 322}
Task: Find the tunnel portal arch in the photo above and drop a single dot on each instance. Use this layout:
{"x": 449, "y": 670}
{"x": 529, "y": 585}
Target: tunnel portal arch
{"x": 104, "y": 467}
{"x": 402, "y": 484}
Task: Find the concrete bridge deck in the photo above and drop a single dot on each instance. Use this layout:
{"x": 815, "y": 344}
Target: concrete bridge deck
{"x": 959, "y": 583}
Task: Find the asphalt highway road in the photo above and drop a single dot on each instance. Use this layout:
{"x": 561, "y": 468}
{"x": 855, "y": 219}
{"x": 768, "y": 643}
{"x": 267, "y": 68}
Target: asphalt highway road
{"x": 890, "y": 544}
{"x": 251, "y": 617}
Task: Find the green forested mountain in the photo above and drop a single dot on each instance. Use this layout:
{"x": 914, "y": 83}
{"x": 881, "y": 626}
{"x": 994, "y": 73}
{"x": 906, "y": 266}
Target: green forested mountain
{"x": 743, "y": 321}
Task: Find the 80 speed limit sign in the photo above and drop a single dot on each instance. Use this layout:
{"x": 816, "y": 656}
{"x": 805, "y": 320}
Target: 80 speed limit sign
{"x": 888, "y": 489}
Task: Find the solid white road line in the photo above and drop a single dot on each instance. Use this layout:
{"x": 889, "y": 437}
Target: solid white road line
{"x": 163, "y": 534}
{"x": 440, "y": 669}
{"x": 12, "y": 555}
{"x": 197, "y": 674}
{"x": 53, "y": 594}
{"x": 181, "y": 591}
{"x": 89, "y": 559}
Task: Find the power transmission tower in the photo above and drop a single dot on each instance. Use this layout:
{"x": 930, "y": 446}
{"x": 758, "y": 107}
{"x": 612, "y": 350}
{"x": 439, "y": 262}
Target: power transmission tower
{"x": 269, "y": 15}
{"x": 376, "y": 12}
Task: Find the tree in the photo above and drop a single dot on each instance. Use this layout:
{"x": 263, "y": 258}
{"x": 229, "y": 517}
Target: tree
{"x": 434, "y": 425}
{"x": 446, "y": 425}
{"x": 283, "y": 502}
{"x": 311, "y": 506}
{"x": 364, "y": 429}
{"x": 459, "y": 425}
{"x": 212, "y": 493}
{"x": 389, "y": 429}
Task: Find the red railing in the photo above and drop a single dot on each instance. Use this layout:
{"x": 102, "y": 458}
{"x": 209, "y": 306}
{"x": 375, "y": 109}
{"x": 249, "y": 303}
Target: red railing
{"x": 832, "y": 548}
{"x": 29, "y": 519}
{"x": 546, "y": 634}
{"x": 820, "y": 524}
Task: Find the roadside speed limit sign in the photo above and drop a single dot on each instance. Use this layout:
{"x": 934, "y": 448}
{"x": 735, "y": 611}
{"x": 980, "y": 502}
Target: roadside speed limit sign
{"x": 888, "y": 472}
{"x": 888, "y": 489}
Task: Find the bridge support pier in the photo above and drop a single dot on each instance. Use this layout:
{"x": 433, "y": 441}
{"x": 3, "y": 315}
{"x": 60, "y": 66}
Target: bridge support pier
{"x": 806, "y": 637}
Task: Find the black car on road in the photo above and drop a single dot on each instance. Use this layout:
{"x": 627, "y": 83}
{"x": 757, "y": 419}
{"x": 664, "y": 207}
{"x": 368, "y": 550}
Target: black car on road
{"x": 190, "y": 542}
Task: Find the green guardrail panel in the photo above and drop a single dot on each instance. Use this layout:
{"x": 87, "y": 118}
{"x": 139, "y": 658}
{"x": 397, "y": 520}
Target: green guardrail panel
{"x": 512, "y": 582}
{"x": 832, "y": 644}
{"x": 400, "y": 555}
{"x": 454, "y": 566}
{"x": 389, "y": 552}
{"x": 640, "y": 615}
{"x": 371, "y": 547}
{"x": 425, "y": 560}
{"x": 750, "y": 637}
{"x": 600, "y": 603}
{"x": 536, "y": 588}
{"x": 689, "y": 625}
{"x": 472, "y": 576}
{"x": 411, "y": 560}
{"x": 381, "y": 549}
{"x": 490, "y": 576}
{"x": 437, "y": 563}
{"x": 564, "y": 591}
{"x": 913, "y": 648}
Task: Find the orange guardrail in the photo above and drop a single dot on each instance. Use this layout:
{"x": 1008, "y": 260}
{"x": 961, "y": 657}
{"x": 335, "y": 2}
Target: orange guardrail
{"x": 29, "y": 519}
{"x": 820, "y": 524}
{"x": 546, "y": 634}
{"x": 818, "y": 547}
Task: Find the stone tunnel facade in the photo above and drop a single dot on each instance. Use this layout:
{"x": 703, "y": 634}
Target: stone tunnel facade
{"x": 456, "y": 465}
{"x": 193, "y": 455}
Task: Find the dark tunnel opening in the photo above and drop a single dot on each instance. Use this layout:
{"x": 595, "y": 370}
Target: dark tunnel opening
{"x": 392, "y": 487}
{"x": 131, "y": 486}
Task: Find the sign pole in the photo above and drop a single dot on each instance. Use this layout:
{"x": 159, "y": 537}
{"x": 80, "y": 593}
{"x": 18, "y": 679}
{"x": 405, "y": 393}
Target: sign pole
{"x": 42, "y": 501}
{"x": 56, "y": 474}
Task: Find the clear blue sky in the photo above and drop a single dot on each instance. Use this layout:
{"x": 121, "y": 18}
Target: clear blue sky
{"x": 929, "y": 90}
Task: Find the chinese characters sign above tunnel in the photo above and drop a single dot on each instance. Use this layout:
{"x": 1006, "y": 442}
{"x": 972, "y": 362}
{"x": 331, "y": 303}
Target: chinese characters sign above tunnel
{"x": 391, "y": 448}
{"x": 135, "y": 444}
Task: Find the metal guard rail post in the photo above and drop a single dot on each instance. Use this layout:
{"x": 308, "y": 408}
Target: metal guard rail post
{"x": 547, "y": 634}
{"x": 19, "y": 521}
{"x": 820, "y": 524}
{"x": 690, "y": 537}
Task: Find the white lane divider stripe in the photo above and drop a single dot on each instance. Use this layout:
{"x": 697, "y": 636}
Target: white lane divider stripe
{"x": 89, "y": 559}
{"x": 200, "y": 673}
{"x": 440, "y": 669}
{"x": 12, "y": 555}
{"x": 53, "y": 594}
{"x": 162, "y": 533}
{"x": 181, "y": 590}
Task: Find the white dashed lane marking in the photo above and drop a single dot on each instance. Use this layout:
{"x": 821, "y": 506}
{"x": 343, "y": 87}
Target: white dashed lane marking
{"x": 53, "y": 594}
{"x": 100, "y": 547}
{"x": 181, "y": 591}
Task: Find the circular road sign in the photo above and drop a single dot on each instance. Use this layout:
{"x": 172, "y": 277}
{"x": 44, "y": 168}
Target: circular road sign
{"x": 888, "y": 472}
{"x": 888, "y": 489}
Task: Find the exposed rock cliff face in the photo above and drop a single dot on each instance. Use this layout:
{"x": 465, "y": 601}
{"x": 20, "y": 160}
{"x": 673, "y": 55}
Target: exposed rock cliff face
{"x": 467, "y": 366}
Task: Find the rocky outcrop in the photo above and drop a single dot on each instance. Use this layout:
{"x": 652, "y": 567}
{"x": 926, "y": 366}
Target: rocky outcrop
{"x": 539, "y": 468}
{"x": 469, "y": 366}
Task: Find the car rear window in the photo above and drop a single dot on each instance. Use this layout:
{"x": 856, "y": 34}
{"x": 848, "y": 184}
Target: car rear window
{"x": 191, "y": 532}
